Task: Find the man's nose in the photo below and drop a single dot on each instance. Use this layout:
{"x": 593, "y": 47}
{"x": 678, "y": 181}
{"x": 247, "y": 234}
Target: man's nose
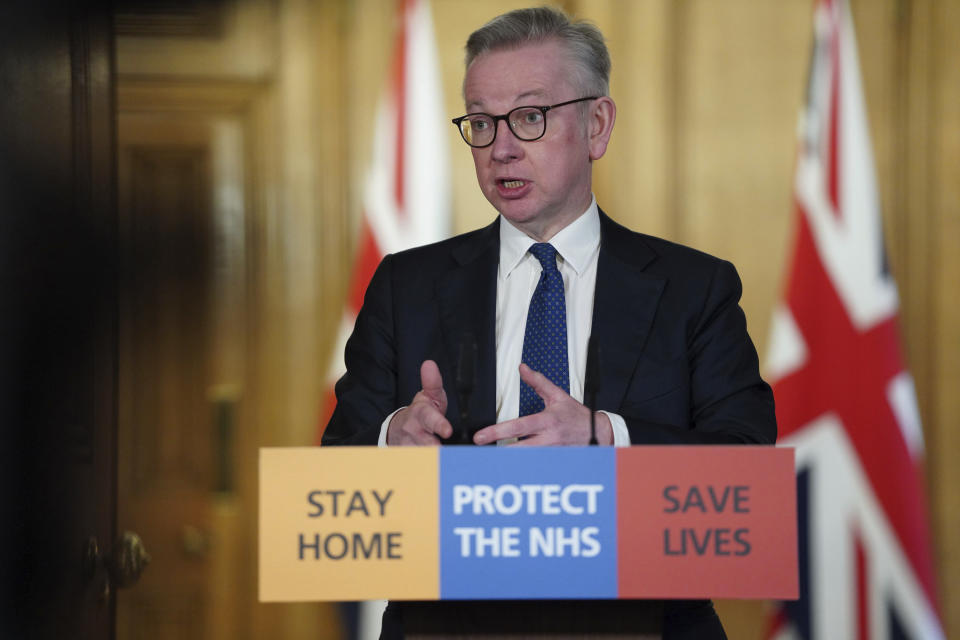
{"x": 506, "y": 146}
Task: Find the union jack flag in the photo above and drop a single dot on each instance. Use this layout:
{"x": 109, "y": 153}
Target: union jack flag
{"x": 845, "y": 399}
{"x": 406, "y": 200}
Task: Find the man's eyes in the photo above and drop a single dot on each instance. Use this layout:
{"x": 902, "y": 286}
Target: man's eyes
{"x": 532, "y": 117}
{"x": 527, "y": 117}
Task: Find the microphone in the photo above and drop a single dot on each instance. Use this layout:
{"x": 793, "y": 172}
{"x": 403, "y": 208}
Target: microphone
{"x": 590, "y": 384}
{"x": 466, "y": 379}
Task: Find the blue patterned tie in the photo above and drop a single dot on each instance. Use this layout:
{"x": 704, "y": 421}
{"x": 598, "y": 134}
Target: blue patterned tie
{"x": 545, "y": 338}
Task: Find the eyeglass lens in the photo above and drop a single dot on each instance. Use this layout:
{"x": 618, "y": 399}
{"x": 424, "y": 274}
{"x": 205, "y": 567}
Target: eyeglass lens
{"x": 479, "y": 129}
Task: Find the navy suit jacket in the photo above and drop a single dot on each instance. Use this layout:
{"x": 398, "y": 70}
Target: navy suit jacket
{"x": 675, "y": 362}
{"x": 675, "y": 358}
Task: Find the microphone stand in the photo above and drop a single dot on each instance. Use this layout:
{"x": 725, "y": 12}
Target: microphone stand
{"x": 466, "y": 378}
{"x": 590, "y": 384}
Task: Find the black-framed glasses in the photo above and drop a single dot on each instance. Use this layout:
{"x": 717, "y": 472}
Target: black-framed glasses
{"x": 527, "y": 123}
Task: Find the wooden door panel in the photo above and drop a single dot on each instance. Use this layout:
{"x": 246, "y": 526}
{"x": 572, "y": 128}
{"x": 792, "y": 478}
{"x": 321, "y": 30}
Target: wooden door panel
{"x": 166, "y": 422}
{"x": 57, "y": 325}
{"x": 165, "y": 327}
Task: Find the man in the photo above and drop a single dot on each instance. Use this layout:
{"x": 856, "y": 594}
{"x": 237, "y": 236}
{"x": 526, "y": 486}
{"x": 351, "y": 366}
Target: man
{"x": 677, "y": 365}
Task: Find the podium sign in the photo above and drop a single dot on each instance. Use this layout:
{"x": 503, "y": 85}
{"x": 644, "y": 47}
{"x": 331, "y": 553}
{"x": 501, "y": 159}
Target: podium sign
{"x": 356, "y": 523}
{"x": 349, "y": 523}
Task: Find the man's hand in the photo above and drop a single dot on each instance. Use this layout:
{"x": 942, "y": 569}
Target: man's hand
{"x": 423, "y": 421}
{"x": 562, "y": 421}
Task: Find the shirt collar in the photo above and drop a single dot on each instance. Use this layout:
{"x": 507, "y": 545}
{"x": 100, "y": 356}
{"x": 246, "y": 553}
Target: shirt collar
{"x": 575, "y": 243}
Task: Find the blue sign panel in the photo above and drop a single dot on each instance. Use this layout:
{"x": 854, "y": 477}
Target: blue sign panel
{"x": 528, "y": 523}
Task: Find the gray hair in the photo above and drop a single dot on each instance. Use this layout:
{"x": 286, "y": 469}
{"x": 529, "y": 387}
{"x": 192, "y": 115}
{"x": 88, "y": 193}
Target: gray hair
{"x": 582, "y": 40}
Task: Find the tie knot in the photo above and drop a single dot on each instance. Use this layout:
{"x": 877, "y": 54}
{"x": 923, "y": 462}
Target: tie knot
{"x": 546, "y": 254}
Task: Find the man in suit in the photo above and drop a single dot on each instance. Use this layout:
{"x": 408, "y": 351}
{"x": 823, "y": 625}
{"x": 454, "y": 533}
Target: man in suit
{"x": 677, "y": 365}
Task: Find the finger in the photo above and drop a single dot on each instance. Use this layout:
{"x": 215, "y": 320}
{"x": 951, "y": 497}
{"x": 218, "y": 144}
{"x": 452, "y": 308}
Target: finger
{"x": 430, "y": 378}
{"x": 424, "y": 439}
{"x": 428, "y": 417}
{"x": 515, "y": 428}
{"x": 424, "y": 398}
{"x": 537, "y": 440}
{"x": 541, "y": 384}
{"x": 435, "y": 422}
{"x": 424, "y": 425}
{"x": 406, "y": 429}
{"x": 432, "y": 384}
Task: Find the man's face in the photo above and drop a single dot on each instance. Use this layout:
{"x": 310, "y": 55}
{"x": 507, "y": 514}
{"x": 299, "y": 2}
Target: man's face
{"x": 541, "y": 185}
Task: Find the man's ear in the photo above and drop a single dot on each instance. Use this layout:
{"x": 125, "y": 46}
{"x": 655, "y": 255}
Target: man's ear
{"x": 602, "y": 114}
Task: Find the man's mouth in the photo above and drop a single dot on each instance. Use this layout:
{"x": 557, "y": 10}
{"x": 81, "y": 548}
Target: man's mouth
{"x": 513, "y": 184}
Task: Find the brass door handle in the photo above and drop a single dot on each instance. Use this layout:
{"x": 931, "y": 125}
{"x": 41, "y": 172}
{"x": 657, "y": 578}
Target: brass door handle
{"x": 127, "y": 560}
{"x": 124, "y": 564}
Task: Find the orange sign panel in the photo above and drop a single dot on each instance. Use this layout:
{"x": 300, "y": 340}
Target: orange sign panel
{"x": 349, "y": 524}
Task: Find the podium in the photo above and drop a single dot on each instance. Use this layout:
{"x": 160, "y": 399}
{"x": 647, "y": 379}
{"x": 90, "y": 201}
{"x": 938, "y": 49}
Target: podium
{"x": 540, "y": 619}
{"x": 517, "y": 542}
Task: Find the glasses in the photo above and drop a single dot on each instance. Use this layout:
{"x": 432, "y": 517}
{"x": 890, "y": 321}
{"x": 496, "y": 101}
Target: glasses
{"x": 527, "y": 123}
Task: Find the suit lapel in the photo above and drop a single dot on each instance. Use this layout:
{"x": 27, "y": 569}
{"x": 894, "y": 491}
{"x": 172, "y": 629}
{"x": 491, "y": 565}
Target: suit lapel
{"x": 625, "y": 303}
{"x": 467, "y": 300}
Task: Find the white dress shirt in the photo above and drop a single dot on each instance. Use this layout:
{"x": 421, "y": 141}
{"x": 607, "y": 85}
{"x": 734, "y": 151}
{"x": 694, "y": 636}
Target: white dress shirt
{"x": 578, "y": 247}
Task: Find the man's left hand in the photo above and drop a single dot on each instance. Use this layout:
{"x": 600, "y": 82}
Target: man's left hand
{"x": 563, "y": 421}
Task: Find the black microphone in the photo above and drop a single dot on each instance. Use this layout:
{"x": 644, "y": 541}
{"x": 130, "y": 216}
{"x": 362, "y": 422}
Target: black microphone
{"x": 466, "y": 379}
{"x": 590, "y": 384}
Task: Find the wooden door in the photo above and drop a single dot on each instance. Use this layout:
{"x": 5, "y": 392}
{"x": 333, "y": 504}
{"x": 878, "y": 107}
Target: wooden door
{"x": 164, "y": 439}
{"x": 57, "y": 290}
{"x": 181, "y": 356}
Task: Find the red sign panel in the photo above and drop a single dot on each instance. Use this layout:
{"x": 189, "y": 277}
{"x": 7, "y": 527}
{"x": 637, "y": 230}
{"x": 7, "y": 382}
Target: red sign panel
{"x": 700, "y": 522}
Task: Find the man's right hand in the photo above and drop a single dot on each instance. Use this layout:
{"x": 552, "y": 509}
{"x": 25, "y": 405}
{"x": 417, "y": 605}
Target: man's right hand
{"x": 423, "y": 422}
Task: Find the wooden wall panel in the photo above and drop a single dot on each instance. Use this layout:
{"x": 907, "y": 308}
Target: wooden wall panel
{"x": 244, "y": 48}
{"x": 633, "y": 182}
{"x": 944, "y": 441}
{"x": 742, "y": 81}
{"x": 911, "y": 228}
{"x": 299, "y": 264}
